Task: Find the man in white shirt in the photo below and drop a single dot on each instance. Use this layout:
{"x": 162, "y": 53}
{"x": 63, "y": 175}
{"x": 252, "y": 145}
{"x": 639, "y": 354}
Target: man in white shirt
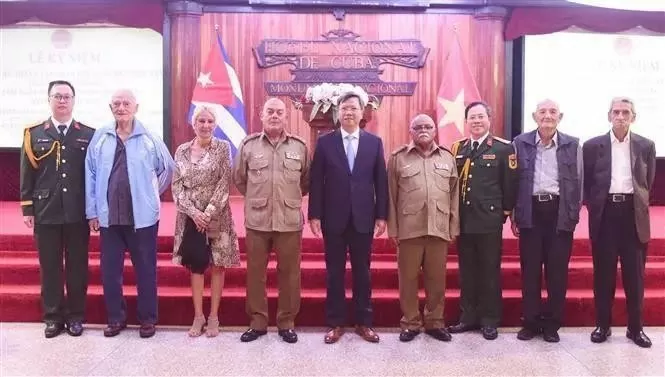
{"x": 619, "y": 170}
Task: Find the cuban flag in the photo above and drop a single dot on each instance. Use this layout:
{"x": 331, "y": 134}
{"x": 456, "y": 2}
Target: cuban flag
{"x": 218, "y": 87}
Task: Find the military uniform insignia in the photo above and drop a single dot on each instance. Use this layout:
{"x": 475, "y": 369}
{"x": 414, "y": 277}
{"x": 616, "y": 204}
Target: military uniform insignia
{"x": 489, "y": 157}
{"x": 292, "y": 155}
{"x": 512, "y": 161}
{"x": 43, "y": 140}
{"x": 504, "y": 141}
{"x": 258, "y": 155}
{"x": 441, "y": 166}
{"x": 82, "y": 141}
{"x": 401, "y": 148}
{"x": 459, "y": 156}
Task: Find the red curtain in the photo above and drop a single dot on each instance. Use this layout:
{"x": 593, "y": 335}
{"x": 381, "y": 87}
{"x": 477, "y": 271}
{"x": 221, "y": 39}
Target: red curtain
{"x": 138, "y": 14}
{"x": 526, "y": 21}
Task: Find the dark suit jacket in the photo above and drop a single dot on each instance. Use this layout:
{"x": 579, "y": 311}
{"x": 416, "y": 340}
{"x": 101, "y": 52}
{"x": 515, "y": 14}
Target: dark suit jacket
{"x": 598, "y": 173}
{"x": 336, "y": 193}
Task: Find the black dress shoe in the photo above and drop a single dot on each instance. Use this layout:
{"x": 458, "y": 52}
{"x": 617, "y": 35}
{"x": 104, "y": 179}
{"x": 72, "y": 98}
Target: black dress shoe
{"x": 489, "y": 332}
{"x": 527, "y": 333}
{"x": 639, "y": 338}
{"x": 407, "y": 335}
{"x": 75, "y": 328}
{"x": 439, "y": 334}
{"x": 462, "y": 327}
{"x": 288, "y": 335}
{"x": 147, "y": 330}
{"x": 551, "y": 336}
{"x": 113, "y": 329}
{"x": 53, "y": 329}
{"x": 600, "y": 334}
{"x": 251, "y": 335}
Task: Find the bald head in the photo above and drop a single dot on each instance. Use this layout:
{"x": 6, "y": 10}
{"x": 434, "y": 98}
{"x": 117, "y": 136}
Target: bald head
{"x": 273, "y": 117}
{"x": 123, "y": 105}
{"x": 124, "y": 94}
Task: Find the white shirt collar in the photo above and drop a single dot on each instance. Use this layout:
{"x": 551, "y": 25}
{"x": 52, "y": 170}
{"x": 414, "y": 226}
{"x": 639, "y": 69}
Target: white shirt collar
{"x": 481, "y": 140}
{"x": 614, "y": 139}
{"x": 67, "y": 123}
{"x": 555, "y": 138}
{"x": 355, "y": 134}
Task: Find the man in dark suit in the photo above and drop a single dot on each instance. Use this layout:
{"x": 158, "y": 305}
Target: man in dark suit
{"x": 619, "y": 170}
{"x": 53, "y": 203}
{"x": 348, "y": 201}
{"x": 487, "y": 168}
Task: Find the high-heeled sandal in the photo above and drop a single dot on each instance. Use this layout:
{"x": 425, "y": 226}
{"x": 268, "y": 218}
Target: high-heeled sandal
{"x": 197, "y": 327}
{"x": 213, "y": 327}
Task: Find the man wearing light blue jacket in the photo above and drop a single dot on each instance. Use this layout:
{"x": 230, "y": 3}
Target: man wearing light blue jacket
{"x": 127, "y": 169}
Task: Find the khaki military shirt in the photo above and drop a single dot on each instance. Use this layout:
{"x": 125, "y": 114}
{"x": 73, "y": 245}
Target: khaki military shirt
{"x": 273, "y": 179}
{"x": 424, "y": 194}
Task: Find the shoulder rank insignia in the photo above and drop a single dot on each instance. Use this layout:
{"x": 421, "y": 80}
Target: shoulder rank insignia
{"x": 399, "y": 149}
{"x": 296, "y": 137}
{"x": 500, "y": 139}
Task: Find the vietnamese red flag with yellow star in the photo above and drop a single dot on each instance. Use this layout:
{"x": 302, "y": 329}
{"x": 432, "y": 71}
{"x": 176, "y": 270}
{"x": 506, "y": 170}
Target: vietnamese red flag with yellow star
{"x": 458, "y": 89}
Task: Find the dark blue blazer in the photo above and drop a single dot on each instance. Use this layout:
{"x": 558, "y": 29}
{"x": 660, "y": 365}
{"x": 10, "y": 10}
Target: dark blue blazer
{"x": 337, "y": 194}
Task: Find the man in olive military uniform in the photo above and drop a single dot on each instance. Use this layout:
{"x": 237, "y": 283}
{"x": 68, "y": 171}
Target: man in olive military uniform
{"x": 423, "y": 219}
{"x": 271, "y": 170}
{"x": 487, "y": 168}
{"x": 53, "y": 203}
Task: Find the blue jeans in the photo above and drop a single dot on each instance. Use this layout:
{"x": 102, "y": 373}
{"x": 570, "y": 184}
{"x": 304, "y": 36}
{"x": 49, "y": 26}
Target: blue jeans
{"x": 142, "y": 246}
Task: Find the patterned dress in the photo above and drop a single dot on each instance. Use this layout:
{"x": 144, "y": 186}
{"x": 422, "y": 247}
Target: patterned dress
{"x": 204, "y": 186}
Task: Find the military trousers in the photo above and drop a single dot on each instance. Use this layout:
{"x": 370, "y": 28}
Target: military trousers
{"x": 480, "y": 278}
{"x": 287, "y": 246}
{"x": 429, "y": 254}
{"x": 53, "y": 242}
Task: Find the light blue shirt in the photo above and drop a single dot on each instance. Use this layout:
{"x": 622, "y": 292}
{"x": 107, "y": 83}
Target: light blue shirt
{"x": 546, "y": 170}
{"x": 354, "y": 141}
{"x": 149, "y": 167}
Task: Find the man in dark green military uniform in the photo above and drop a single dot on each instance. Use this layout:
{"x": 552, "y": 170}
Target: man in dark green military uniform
{"x": 53, "y": 203}
{"x": 488, "y": 182}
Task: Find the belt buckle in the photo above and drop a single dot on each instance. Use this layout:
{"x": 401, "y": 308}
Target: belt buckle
{"x": 544, "y": 197}
{"x": 618, "y": 198}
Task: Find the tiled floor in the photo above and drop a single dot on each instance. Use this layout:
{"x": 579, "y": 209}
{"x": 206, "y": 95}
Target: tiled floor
{"x": 24, "y": 351}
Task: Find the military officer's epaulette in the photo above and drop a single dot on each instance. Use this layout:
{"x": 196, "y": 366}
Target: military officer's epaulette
{"x": 27, "y": 145}
{"x": 500, "y": 139}
{"x": 457, "y": 144}
{"x": 84, "y": 126}
{"x": 296, "y": 137}
{"x": 443, "y": 148}
{"x": 33, "y": 125}
{"x": 399, "y": 149}
{"x": 251, "y": 137}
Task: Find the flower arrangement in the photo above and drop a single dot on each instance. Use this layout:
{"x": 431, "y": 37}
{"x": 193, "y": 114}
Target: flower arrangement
{"x": 325, "y": 97}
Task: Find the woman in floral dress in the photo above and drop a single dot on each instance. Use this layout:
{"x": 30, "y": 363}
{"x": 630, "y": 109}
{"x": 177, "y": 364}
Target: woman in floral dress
{"x": 201, "y": 193}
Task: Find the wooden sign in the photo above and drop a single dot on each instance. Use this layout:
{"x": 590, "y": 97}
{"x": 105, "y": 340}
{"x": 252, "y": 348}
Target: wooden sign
{"x": 340, "y": 57}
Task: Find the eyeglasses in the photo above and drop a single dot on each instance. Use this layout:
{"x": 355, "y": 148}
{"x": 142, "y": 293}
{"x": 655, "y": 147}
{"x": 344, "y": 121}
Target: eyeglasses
{"x": 420, "y": 127}
{"x": 61, "y": 98}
